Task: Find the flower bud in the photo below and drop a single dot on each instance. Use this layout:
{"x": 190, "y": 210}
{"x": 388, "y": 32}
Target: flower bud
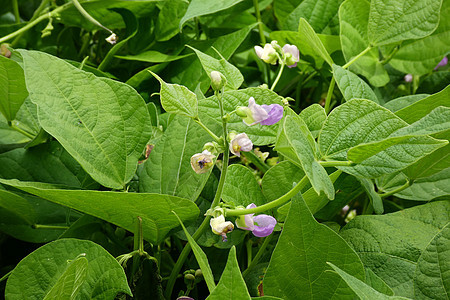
{"x": 198, "y": 273}
{"x": 112, "y": 39}
{"x": 292, "y": 55}
{"x": 218, "y": 81}
{"x": 202, "y": 162}
{"x": 408, "y": 78}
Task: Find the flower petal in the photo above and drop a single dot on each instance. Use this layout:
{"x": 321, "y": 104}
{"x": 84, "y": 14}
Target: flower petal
{"x": 265, "y": 225}
{"x": 275, "y": 113}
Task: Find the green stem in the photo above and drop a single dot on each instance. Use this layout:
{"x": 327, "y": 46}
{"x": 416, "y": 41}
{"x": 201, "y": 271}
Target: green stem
{"x": 357, "y": 57}
{"x": 22, "y": 131}
{"x": 40, "y": 226}
{"x": 36, "y": 14}
{"x": 278, "y": 77}
{"x": 215, "y": 137}
{"x": 336, "y": 163}
{"x": 329, "y": 94}
{"x": 249, "y": 246}
{"x": 6, "y": 276}
{"x": 258, "y": 255}
{"x": 187, "y": 248}
{"x": 15, "y": 6}
{"x": 260, "y": 24}
{"x": 397, "y": 190}
{"x": 253, "y": 158}
{"x": 277, "y": 202}
{"x": 85, "y": 14}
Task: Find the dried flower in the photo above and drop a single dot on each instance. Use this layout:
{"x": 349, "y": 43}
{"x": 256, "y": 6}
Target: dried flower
{"x": 292, "y": 55}
{"x": 221, "y": 227}
{"x": 260, "y": 226}
{"x": 240, "y": 142}
{"x": 202, "y": 162}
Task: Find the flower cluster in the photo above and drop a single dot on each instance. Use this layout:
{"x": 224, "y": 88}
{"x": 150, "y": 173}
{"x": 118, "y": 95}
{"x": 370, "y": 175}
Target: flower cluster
{"x": 271, "y": 53}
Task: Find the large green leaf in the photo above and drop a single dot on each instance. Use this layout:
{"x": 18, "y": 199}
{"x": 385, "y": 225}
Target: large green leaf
{"x": 231, "y": 73}
{"x": 280, "y": 179}
{"x": 361, "y": 289}
{"x": 353, "y": 18}
{"x": 391, "y": 244}
{"x": 177, "y": 99}
{"x": 259, "y": 134}
{"x": 12, "y": 88}
{"x": 313, "y": 40}
{"x": 401, "y": 102}
{"x": 168, "y": 170}
{"x": 296, "y": 142}
{"x": 419, "y": 57}
{"x": 231, "y": 285}
{"x": 399, "y": 20}
{"x": 363, "y": 124}
{"x": 153, "y": 57}
{"x": 318, "y": 13}
{"x": 121, "y": 209}
{"x": 421, "y": 108}
{"x": 45, "y": 163}
{"x": 102, "y": 123}
{"x": 170, "y": 14}
{"x": 314, "y": 117}
{"x": 39, "y": 274}
{"x": 298, "y": 268}
{"x": 351, "y": 86}
{"x": 432, "y": 276}
{"x": 241, "y": 187}
{"x": 198, "y": 8}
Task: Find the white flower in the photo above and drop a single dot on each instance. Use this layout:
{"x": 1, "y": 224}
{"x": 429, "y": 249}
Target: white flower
{"x": 268, "y": 54}
{"x": 112, "y": 39}
{"x": 221, "y": 227}
{"x": 202, "y": 162}
{"x": 240, "y": 142}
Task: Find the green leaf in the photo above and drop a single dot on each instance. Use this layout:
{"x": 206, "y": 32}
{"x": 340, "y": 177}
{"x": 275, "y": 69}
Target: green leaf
{"x": 170, "y": 14}
{"x": 48, "y": 163}
{"x": 313, "y": 40}
{"x": 231, "y": 73}
{"x": 37, "y": 274}
{"x": 432, "y": 278}
{"x": 421, "y": 108}
{"x": 282, "y": 8}
{"x": 279, "y": 179}
{"x": 419, "y": 57}
{"x": 18, "y": 206}
{"x": 259, "y": 134}
{"x": 351, "y": 86}
{"x": 400, "y": 20}
{"x": 69, "y": 283}
{"x": 152, "y": 56}
{"x": 391, "y": 244}
{"x": 168, "y": 170}
{"x": 296, "y": 142}
{"x": 12, "y": 88}
{"x": 298, "y": 269}
{"x": 437, "y": 121}
{"x": 199, "y": 8}
{"x": 121, "y": 209}
{"x": 314, "y": 117}
{"x": 77, "y": 108}
{"x": 377, "y": 283}
{"x": 356, "y": 131}
{"x": 231, "y": 285}
{"x": 318, "y": 13}
{"x": 361, "y": 289}
{"x": 353, "y": 18}
{"x": 241, "y": 187}
{"x": 201, "y": 258}
{"x": 374, "y": 197}
{"x": 401, "y": 102}
{"x": 177, "y": 99}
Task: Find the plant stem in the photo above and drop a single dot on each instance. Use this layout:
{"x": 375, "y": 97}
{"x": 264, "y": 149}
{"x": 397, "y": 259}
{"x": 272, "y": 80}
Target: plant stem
{"x": 336, "y": 163}
{"x": 6, "y": 276}
{"x": 22, "y": 131}
{"x": 253, "y": 158}
{"x": 40, "y": 226}
{"x": 397, "y": 190}
{"x": 258, "y": 255}
{"x": 249, "y": 246}
{"x": 277, "y": 202}
{"x": 329, "y": 94}
{"x": 15, "y": 6}
{"x": 357, "y": 57}
{"x": 260, "y": 24}
{"x": 187, "y": 248}
{"x": 278, "y": 76}
{"x": 85, "y": 14}
{"x": 215, "y": 137}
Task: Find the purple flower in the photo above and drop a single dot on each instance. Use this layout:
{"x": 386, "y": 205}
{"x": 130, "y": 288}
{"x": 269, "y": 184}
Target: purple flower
{"x": 240, "y": 142}
{"x": 292, "y": 55}
{"x": 263, "y": 114}
{"x": 260, "y": 226}
{"x": 408, "y": 78}
{"x": 442, "y": 63}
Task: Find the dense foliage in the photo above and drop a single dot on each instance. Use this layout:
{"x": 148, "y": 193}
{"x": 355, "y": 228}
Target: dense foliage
{"x": 224, "y": 149}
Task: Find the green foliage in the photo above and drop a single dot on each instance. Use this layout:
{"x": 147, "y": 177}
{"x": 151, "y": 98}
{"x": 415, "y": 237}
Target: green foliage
{"x": 12, "y": 88}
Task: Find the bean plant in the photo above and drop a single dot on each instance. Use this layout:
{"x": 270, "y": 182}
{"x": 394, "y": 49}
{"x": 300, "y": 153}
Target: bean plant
{"x": 226, "y": 149}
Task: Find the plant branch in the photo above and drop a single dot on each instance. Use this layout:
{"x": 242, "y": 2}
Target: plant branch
{"x": 88, "y": 17}
{"x": 357, "y": 57}
{"x": 329, "y": 94}
{"x": 278, "y": 76}
{"x": 408, "y": 183}
{"x": 260, "y": 24}
{"x": 215, "y": 137}
{"x": 258, "y": 255}
{"x": 336, "y": 163}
